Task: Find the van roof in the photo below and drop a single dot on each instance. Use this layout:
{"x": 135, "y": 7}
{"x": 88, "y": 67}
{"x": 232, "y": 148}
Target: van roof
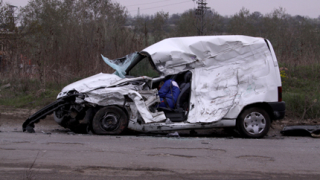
{"x": 174, "y": 55}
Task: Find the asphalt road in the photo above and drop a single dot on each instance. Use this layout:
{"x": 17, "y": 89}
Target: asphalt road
{"x": 54, "y": 153}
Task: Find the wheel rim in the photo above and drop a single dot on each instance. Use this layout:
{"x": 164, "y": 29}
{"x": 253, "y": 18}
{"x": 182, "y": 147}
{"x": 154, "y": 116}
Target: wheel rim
{"x": 61, "y": 112}
{"x": 254, "y": 123}
{"x": 109, "y": 121}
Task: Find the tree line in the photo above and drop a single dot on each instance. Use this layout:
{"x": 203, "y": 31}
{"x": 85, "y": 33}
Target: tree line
{"x": 62, "y": 40}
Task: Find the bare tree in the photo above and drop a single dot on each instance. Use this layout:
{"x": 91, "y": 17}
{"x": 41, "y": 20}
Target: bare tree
{"x": 158, "y": 24}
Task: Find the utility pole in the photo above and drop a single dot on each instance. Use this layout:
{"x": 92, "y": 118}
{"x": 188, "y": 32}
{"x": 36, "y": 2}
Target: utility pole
{"x": 200, "y": 14}
{"x": 11, "y": 17}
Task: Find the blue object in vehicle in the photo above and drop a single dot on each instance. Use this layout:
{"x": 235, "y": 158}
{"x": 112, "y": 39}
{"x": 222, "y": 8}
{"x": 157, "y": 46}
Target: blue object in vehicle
{"x": 170, "y": 92}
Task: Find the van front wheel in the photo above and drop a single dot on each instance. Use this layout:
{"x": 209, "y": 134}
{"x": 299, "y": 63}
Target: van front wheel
{"x": 110, "y": 120}
{"x": 253, "y": 123}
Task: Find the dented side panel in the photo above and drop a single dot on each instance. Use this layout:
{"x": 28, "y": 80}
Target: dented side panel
{"x": 228, "y": 72}
{"x": 164, "y": 126}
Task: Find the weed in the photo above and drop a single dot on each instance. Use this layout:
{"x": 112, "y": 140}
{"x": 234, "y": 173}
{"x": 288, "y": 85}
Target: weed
{"x": 301, "y": 91}
{"x": 28, "y": 94}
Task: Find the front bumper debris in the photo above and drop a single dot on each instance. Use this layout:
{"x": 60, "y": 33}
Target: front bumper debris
{"x": 28, "y": 125}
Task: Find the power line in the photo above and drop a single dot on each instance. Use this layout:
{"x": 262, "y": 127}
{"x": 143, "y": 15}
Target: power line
{"x": 146, "y": 3}
{"x": 161, "y": 6}
{"x": 200, "y": 14}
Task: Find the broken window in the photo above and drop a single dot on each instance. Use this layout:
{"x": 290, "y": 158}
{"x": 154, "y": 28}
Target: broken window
{"x": 143, "y": 68}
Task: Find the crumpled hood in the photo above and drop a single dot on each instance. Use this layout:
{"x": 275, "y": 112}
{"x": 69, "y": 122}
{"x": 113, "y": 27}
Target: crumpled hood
{"x": 92, "y": 82}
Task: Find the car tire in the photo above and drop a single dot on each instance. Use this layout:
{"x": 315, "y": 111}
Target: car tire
{"x": 253, "y": 123}
{"x": 110, "y": 120}
{"x": 60, "y": 117}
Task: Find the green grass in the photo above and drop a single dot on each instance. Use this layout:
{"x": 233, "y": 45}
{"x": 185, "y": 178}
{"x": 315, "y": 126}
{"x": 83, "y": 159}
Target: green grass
{"x": 29, "y": 100}
{"x": 28, "y": 94}
{"x": 301, "y": 91}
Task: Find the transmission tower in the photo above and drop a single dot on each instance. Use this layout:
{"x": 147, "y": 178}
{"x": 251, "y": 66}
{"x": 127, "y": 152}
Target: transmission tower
{"x": 200, "y": 14}
{"x": 11, "y": 17}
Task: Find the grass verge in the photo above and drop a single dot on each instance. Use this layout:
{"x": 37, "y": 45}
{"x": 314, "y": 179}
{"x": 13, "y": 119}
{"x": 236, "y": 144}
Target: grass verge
{"x": 24, "y": 93}
{"x": 301, "y": 91}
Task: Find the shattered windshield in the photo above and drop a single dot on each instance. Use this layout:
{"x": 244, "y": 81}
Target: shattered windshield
{"x": 120, "y": 65}
{"x": 143, "y": 68}
{"x": 128, "y": 63}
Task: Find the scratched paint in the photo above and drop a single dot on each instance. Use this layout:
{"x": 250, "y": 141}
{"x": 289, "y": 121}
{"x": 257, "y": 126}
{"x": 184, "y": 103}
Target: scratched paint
{"x": 228, "y": 73}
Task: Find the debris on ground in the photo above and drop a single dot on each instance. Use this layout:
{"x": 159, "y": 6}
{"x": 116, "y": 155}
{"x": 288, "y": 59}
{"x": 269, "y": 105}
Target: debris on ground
{"x": 30, "y": 129}
{"x": 174, "y": 134}
{"x": 302, "y": 130}
{"x": 45, "y": 132}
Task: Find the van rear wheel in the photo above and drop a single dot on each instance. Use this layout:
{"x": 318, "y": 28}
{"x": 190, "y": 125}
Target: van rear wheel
{"x": 110, "y": 120}
{"x": 253, "y": 123}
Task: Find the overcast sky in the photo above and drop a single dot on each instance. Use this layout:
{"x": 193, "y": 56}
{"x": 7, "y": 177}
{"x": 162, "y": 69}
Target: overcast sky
{"x": 223, "y": 7}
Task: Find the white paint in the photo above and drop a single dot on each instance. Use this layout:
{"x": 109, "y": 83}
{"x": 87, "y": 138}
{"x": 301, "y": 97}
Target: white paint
{"x": 109, "y": 89}
{"x": 92, "y": 82}
{"x": 228, "y": 73}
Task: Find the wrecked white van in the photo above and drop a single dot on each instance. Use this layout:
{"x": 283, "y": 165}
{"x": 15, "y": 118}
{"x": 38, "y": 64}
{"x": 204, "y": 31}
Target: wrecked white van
{"x": 225, "y": 81}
